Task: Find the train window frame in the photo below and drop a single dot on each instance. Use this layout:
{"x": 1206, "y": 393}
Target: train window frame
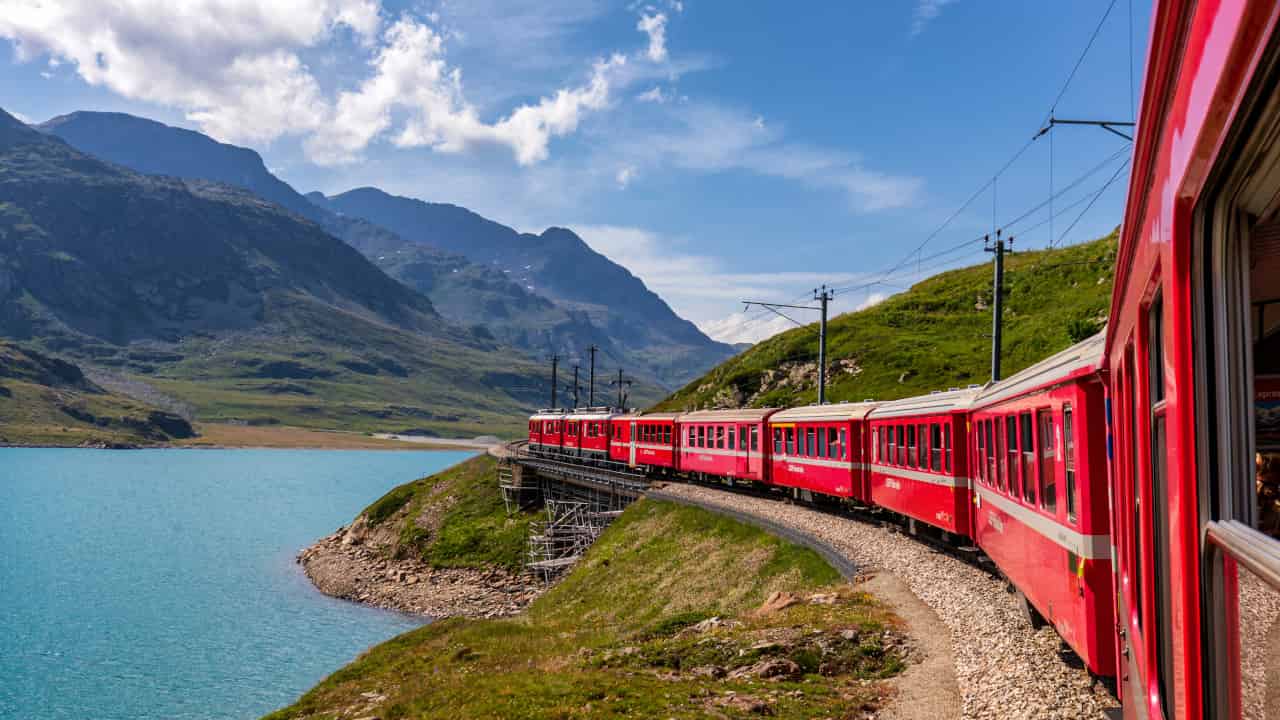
{"x": 1157, "y": 475}
{"x": 844, "y": 444}
{"x": 912, "y": 454}
{"x": 893, "y": 446}
{"x": 810, "y": 442}
{"x": 755, "y": 438}
{"x": 719, "y": 437}
{"x": 790, "y": 436}
{"x": 997, "y": 452}
{"x": 1069, "y": 463}
{"x": 833, "y": 443}
{"x": 980, "y": 453}
{"x": 730, "y": 438}
{"x": 1047, "y": 460}
{"x": 777, "y": 441}
{"x": 1027, "y": 445}
{"x": 935, "y": 447}
{"x": 948, "y": 465}
{"x": 1012, "y": 458}
{"x": 822, "y": 442}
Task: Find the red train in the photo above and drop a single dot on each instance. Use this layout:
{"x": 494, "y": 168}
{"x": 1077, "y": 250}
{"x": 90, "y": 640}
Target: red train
{"x": 1128, "y": 487}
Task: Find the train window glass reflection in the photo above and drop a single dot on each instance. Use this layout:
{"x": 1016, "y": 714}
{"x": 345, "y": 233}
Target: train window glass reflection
{"x": 731, "y": 434}
{"x": 777, "y": 441}
{"x": 791, "y": 441}
{"x": 911, "y": 446}
{"x": 1011, "y": 452}
{"x": 981, "y": 455}
{"x": 892, "y": 443}
{"x": 755, "y": 439}
{"x": 844, "y": 445}
{"x": 935, "y": 447}
{"x": 833, "y": 444}
{"x": 1028, "y": 460}
{"x": 1048, "y": 462}
{"x": 1069, "y": 460}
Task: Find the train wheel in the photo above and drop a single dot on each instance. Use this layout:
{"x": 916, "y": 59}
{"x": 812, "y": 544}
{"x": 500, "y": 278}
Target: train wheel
{"x": 1029, "y": 611}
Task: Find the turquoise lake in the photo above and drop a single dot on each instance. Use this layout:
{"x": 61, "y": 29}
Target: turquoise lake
{"x": 162, "y": 583}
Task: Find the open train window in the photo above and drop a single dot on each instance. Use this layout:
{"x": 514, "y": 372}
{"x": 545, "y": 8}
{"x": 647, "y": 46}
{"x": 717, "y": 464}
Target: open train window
{"x": 1028, "y": 459}
{"x": 1236, "y": 316}
{"x": 755, "y": 439}
{"x": 1048, "y": 462}
{"x": 1069, "y": 459}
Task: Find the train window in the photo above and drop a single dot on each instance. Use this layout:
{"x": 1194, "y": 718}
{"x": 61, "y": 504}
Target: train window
{"x": 702, "y": 436}
{"x": 833, "y": 444}
{"x": 777, "y": 441}
{"x": 891, "y": 444}
{"x": 1048, "y": 462}
{"x": 1011, "y": 453}
{"x": 791, "y": 441}
{"x": 720, "y": 437}
{"x": 935, "y": 448}
{"x": 844, "y": 445}
{"x": 1028, "y": 460}
{"x": 946, "y": 444}
{"x": 666, "y": 434}
{"x": 731, "y": 434}
{"x": 1130, "y": 431}
{"x": 993, "y": 469}
{"x": 822, "y": 442}
{"x": 981, "y": 443}
{"x": 1159, "y": 498}
{"x": 911, "y": 446}
{"x": 755, "y": 439}
{"x": 1069, "y": 460}
{"x": 809, "y": 442}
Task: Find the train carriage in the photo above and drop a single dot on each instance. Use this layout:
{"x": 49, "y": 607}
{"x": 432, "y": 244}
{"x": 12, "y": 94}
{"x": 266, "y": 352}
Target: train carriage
{"x": 725, "y": 443}
{"x": 645, "y": 441}
{"x": 546, "y": 432}
{"x": 586, "y": 434}
{"x": 1191, "y": 340}
{"x": 819, "y": 449}
{"x": 919, "y": 468}
{"x": 1038, "y": 451}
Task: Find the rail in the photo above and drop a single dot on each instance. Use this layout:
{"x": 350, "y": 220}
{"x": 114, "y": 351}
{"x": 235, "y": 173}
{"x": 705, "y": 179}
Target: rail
{"x": 1247, "y": 547}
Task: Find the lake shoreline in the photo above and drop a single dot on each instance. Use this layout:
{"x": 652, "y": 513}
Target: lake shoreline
{"x": 350, "y": 565}
{"x": 222, "y": 436}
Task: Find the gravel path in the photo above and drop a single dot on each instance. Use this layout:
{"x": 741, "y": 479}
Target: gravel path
{"x": 1003, "y": 667}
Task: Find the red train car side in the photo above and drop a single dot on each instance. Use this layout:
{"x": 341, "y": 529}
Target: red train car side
{"x": 546, "y": 432}
{"x": 919, "y": 468}
{"x": 820, "y": 448}
{"x": 646, "y": 441}
{"x": 587, "y": 434}
{"x": 725, "y": 443}
{"x": 1038, "y": 449}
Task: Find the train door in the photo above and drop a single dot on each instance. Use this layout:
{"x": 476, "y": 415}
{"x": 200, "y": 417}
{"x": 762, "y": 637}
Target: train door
{"x": 742, "y": 463}
{"x": 631, "y": 444}
{"x": 1235, "y": 291}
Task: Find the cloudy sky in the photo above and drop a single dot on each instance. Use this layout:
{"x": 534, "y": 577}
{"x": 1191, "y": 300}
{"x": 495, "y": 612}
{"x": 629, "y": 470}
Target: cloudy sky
{"x": 720, "y": 150}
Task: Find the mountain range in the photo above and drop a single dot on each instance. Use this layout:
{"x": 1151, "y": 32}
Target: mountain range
{"x": 547, "y": 293}
{"x": 238, "y": 307}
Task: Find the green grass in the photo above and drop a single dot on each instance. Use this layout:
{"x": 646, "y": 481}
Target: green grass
{"x": 466, "y": 523}
{"x": 613, "y": 638}
{"x": 933, "y": 336}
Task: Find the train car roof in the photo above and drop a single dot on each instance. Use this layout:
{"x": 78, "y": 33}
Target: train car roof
{"x": 548, "y": 415}
{"x": 650, "y": 416}
{"x": 829, "y": 412}
{"x": 1082, "y": 358}
{"x": 740, "y": 415}
{"x": 598, "y": 415}
{"x": 932, "y": 404}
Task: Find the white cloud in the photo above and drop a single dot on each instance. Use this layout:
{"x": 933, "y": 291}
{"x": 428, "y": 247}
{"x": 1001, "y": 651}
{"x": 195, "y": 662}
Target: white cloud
{"x": 711, "y": 138}
{"x": 925, "y": 12}
{"x": 698, "y": 287}
{"x": 653, "y": 95}
{"x": 655, "y": 26}
{"x": 232, "y": 65}
{"x": 626, "y": 175}
{"x": 746, "y": 327}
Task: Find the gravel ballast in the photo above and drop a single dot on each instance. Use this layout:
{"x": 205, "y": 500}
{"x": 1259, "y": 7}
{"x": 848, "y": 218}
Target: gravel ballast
{"x": 1004, "y": 668}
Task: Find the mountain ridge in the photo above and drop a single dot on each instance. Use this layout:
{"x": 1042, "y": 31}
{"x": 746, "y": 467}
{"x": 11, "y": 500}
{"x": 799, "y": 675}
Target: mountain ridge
{"x": 467, "y": 291}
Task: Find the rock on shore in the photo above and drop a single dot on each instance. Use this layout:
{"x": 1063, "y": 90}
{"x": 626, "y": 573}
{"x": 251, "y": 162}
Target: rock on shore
{"x": 354, "y": 564}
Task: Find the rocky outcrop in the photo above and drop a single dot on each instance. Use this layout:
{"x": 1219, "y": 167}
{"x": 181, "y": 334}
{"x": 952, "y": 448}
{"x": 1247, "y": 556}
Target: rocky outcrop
{"x": 354, "y": 564}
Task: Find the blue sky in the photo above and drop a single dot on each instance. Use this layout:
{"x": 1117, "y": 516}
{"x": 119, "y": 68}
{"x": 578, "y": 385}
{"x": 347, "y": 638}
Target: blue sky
{"x": 720, "y": 150}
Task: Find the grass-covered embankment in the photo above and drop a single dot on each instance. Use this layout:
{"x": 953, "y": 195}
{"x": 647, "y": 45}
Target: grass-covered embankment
{"x": 933, "y": 336}
{"x": 454, "y": 518}
{"x": 630, "y": 632}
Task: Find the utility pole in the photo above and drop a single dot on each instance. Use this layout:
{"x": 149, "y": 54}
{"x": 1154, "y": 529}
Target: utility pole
{"x": 622, "y": 384}
{"x": 591, "y": 383}
{"x": 576, "y": 386}
{"x": 823, "y": 297}
{"x": 555, "y": 363}
{"x": 997, "y": 302}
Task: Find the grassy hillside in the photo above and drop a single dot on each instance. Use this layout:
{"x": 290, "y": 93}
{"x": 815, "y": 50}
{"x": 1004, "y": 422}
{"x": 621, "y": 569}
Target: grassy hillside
{"x": 623, "y": 635}
{"x": 47, "y": 401}
{"x": 454, "y": 518}
{"x": 934, "y": 336}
